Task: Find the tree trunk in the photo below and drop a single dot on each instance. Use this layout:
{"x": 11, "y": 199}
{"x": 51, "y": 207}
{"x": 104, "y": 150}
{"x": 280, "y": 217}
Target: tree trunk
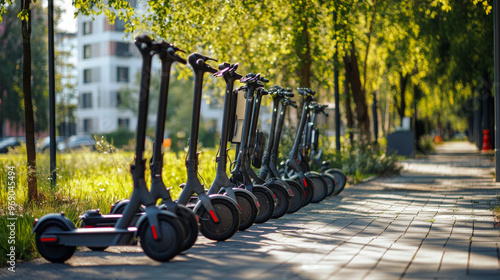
{"x": 303, "y": 51}
{"x": 358, "y": 94}
{"x": 403, "y": 82}
{"x": 348, "y": 110}
{"x": 28, "y": 104}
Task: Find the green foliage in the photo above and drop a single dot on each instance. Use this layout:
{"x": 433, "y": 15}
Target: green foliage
{"x": 12, "y": 104}
{"x": 359, "y": 160}
{"x": 120, "y": 137}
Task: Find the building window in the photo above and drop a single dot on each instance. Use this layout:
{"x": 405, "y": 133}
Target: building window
{"x": 86, "y": 100}
{"x": 123, "y": 123}
{"x": 91, "y": 75}
{"x": 87, "y": 28}
{"x": 122, "y": 49}
{"x": 87, "y": 125}
{"x": 122, "y": 74}
{"x": 87, "y": 76}
{"x": 119, "y": 25}
{"x": 87, "y": 51}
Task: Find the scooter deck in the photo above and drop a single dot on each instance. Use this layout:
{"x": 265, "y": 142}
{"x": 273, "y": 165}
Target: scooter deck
{"x": 91, "y": 237}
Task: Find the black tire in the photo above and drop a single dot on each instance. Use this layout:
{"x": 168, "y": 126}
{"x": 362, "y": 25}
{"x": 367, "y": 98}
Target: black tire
{"x": 308, "y": 187}
{"x": 54, "y": 253}
{"x": 340, "y": 179}
{"x": 228, "y": 224}
{"x": 189, "y": 223}
{"x": 170, "y": 244}
{"x": 298, "y": 196}
{"x": 320, "y": 187}
{"x": 283, "y": 199}
{"x": 266, "y": 202}
{"x": 330, "y": 180}
{"x": 249, "y": 210}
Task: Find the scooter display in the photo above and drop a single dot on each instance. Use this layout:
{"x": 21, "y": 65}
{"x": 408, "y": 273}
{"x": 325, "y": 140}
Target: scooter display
{"x": 160, "y": 232}
{"x": 219, "y": 215}
{"x": 247, "y": 201}
{"x": 239, "y": 174}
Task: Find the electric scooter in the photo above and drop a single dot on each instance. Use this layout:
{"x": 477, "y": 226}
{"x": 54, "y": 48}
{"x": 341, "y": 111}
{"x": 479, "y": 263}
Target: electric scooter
{"x": 313, "y": 152}
{"x": 269, "y": 168}
{"x": 239, "y": 175}
{"x": 93, "y": 218}
{"x": 313, "y": 183}
{"x": 280, "y": 189}
{"x": 219, "y": 215}
{"x": 247, "y": 201}
{"x": 159, "y": 231}
{"x": 308, "y": 140}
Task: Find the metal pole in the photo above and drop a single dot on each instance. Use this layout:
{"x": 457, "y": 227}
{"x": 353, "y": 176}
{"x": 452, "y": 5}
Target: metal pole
{"x": 496, "y": 33}
{"x": 52, "y": 96}
{"x": 336, "y": 89}
{"x": 375, "y": 116}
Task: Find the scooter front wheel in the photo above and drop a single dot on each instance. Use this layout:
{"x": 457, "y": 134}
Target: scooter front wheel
{"x": 169, "y": 245}
{"x": 320, "y": 187}
{"x": 266, "y": 202}
{"x": 330, "y": 180}
{"x": 298, "y": 196}
{"x": 226, "y": 226}
{"x": 189, "y": 223}
{"x": 53, "y": 252}
{"x": 249, "y": 210}
{"x": 340, "y": 179}
{"x": 283, "y": 199}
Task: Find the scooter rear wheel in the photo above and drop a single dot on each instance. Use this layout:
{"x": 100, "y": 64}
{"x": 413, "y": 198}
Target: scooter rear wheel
{"x": 53, "y": 252}
{"x": 170, "y": 243}
{"x": 283, "y": 200}
{"x": 266, "y": 202}
{"x": 226, "y": 227}
{"x": 298, "y": 196}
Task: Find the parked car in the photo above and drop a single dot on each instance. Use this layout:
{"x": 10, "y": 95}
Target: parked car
{"x": 9, "y": 142}
{"x": 44, "y": 144}
{"x": 77, "y": 142}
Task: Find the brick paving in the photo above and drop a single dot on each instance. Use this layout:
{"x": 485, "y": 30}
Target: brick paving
{"x": 434, "y": 221}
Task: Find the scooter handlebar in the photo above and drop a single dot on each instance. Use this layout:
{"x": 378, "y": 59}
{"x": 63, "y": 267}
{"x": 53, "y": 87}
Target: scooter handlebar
{"x": 198, "y": 62}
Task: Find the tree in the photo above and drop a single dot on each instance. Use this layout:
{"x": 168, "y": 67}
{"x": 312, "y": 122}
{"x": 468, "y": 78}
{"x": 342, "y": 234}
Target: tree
{"x": 28, "y": 104}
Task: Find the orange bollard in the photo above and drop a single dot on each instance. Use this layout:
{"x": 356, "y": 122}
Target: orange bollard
{"x": 486, "y": 141}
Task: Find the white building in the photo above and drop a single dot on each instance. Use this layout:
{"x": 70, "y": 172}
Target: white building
{"x": 106, "y": 64}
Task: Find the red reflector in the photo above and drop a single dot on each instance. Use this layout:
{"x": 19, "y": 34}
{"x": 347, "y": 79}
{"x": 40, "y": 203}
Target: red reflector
{"x": 290, "y": 192}
{"x": 240, "y": 208}
{"x": 89, "y": 226}
{"x": 275, "y": 197}
{"x": 197, "y": 219}
{"x": 257, "y": 203}
{"x": 48, "y": 239}
{"x": 305, "y": 183}
{"x": 213, "y": 216}
{"x": 155, "y": 235}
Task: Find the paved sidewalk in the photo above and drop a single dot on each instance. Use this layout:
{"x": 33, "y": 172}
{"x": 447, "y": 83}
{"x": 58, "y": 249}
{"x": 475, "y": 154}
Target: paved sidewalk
{"x": 432, "y": 222}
